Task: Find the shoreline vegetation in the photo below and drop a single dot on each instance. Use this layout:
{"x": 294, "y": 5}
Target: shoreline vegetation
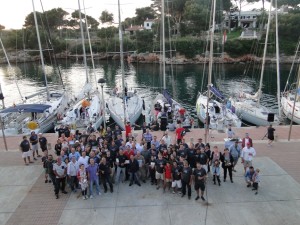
{"x": 22, "y": 57}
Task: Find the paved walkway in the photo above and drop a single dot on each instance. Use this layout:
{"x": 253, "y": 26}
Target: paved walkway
{"x": 26, "y": 199}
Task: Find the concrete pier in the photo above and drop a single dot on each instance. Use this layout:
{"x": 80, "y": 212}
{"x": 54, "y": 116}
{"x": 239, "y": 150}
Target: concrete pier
{"x": 26, "y": 199}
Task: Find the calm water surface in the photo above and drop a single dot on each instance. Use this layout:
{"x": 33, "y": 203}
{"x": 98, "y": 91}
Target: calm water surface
{"x": 184, "y": 82}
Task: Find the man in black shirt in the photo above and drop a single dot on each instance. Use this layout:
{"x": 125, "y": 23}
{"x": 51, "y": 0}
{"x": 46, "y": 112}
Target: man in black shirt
{"x": 117, "y": 132}
{"x": 199, "y": 176}
{"x": 159, "y": 168}
{"x": 182, "y": 152}
{"x": 203, "y": 159}
{"x": 25, "y": 149}
{"x": 133, "y": 168}
{"x": 176, "y": 177}
{"x": 43, "y": 142}
{"x": 34, "y": 140}
{"x": 191, "y": 156}
{"x": 105, "y": 171}
{"x": 60, "y": 130}
{"x": 120, "y": 163}
{"x": 186, "y": 179}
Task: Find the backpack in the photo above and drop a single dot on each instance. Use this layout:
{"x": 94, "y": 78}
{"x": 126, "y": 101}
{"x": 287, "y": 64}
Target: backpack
{"x": 183, "y": 132}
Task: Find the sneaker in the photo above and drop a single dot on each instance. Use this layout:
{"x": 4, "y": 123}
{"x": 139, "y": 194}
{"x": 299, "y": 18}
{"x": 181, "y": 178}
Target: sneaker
{"x": 203, "y": 199}
{"x": 86, "y": 197}
{"x": 157, "y": 187}
{"x": 99, "y": 193}
{"x": 189, "y": 197}
{"x": 50, "y": 181}
{"x": 83, "y": 198}
{"x": 256, "y": 193}
{"x": 182, "y": 195}
{"x": 91, "y": 196}
{"x": 179, "y": 193}
{"x": 46, "y": 181}
{"x": 35, "y": 158}
{"x": 197, "y": 198}
{"x": 57, "y": 197}
{"x": 173, "y": 192}
{"x": 249, "y": 185}
{"x": 231, "y": 181}
{"x": 64, "y": 192}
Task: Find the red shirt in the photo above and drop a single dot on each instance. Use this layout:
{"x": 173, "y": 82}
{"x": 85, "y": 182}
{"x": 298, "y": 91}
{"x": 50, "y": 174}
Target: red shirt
{"x": 178, "y": 132}
{"x": 168, "y": 171}
{"x": 182, "y": 111}
{"x": 128, "y": 154}
{"x": 127, "y": 129}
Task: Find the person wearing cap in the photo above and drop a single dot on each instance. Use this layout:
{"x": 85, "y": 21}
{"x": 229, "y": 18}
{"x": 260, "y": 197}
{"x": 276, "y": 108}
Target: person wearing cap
{"x": 235, "y": 151}
{"x": 34, "y": 140}
{"x": 247, "y": 155}
{"x": 25, "y": 149}
{"x": 43, "y": 142}
{"x": 247, "y": 140}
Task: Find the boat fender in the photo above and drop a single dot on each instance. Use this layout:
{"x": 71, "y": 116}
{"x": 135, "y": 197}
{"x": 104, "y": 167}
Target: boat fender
{"x": 144, "y": 104}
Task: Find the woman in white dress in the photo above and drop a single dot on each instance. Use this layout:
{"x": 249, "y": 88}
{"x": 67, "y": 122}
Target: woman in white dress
{"x": 82, "y": 177}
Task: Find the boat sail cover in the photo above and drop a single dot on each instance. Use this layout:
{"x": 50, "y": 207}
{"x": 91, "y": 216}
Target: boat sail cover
{"x": 216, "y": 92}
{"x": 167, "y": 95}
{"x": 34, "y": 108}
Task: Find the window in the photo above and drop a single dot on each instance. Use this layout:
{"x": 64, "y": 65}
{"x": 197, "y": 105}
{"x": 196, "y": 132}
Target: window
{"x": 148, "y": 25}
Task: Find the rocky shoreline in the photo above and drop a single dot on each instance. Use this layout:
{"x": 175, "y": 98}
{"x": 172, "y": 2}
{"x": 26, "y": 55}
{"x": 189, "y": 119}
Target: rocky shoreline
{"x": 23, "y": 56}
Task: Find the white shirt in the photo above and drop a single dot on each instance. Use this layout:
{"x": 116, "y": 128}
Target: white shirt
{"x": 167, "y": 140}
{"x": 84, "y": 161}
{"x": 72, "y": 168}
{"x": 60, "y": 169}
{"x": 248, "y": 153}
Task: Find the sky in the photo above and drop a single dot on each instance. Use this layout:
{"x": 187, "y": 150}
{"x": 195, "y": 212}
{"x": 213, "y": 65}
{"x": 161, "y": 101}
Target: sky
{"x": 13, "y": 12}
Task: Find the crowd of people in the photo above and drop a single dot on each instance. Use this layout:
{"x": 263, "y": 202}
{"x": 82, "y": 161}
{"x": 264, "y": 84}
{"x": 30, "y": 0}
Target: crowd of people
{"x": 86, "y": 160}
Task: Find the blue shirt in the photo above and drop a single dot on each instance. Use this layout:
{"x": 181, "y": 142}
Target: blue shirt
{"x": 148, "y": 137}
{"x": 92, "y": 170}
{"x": 76, "y": 154}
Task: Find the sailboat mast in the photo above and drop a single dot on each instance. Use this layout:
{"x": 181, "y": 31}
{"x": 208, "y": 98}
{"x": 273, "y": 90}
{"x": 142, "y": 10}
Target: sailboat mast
{"x": 211, "y": 50}
{"x": 122, "y": 61}
{"x": 40, "y": 49}
{"x": 163, "y": 43}
{"x": 83, "y": 46}
{"x": 277, "y": 60}
{"x": 264, "y": 55}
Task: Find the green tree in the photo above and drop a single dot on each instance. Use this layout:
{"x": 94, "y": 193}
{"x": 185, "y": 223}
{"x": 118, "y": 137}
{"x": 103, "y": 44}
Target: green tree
{"x": 108, "y": 32}
{"x": 106, "y": 17}
{"x": 29, "y": 19}
{"x": 93, "y": 24}
{"x": 55, "y": 18}
{"x": 143, "y": 14}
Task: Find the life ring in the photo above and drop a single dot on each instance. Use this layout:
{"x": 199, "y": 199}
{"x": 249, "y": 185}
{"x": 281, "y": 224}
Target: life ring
{"x": 32, "y": 125}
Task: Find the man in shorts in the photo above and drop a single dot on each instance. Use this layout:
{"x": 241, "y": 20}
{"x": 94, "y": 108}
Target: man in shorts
{"x": 159, "y": 170}
{"x": 247, "y": 155}
{"x": 43, "y": 142}
{"x": 199, "y": 175}
{"x": 34, "y": 140}
{"x": 176, "y": 177}
{"x": 25, "y": 149}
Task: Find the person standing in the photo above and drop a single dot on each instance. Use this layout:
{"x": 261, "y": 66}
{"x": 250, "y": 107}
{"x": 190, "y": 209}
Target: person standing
{"x": 247, "y": 155}
{"x": 159, "y": 170}
{"x": 176, "y": 178}
{"x": 133, "y": 168}
{"x": 186, "y": 179}
{"x": 105, "y": 171}
{"x": 235, "y": 151}
{"x": 215, "y": 163}
{"x": 227, "y": 163}
{"x": 93, "y": 177}
{"x": 82, "y": 177}
{"x": 248, "y": 176}
{"x": 256, "y": 180}
{"x": 60, "y": 171}
{"x": 179, "y": 133}
{"x": 72, "y": 170}
{"x": 34, "y": 140}
{"x": 25, "y": 149}
{"x": 270, "y": 135}
{"x": 247, "y": 140}
{"x": 43, "y": 142}
{"x": 199, "y": 177}
{"x": 148, "y": 138}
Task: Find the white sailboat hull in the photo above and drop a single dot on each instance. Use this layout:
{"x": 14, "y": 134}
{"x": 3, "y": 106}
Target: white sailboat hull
{"x": 134, "y": 107}
{"x": 287, "y": 106}
{"x": 220, "y": 116}
{"x": 249, "y": 111}
{"x": 94, "y": 114}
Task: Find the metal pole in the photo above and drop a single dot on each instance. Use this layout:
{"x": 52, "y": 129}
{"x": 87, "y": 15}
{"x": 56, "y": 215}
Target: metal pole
{"x": 2, "y": 120}
{"x": 103, "y": 108}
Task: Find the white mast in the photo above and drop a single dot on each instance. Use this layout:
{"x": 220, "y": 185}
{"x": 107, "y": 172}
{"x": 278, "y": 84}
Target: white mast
{"x": 163, "y": 43}
{"x": 211, "y": 50}
{"x": 40, "y": 49}
{"x": 277, "y": 60}
{"x": 264, "y": 55}
{"x": 83, "y": 46}
{"x": 122, "y": 61}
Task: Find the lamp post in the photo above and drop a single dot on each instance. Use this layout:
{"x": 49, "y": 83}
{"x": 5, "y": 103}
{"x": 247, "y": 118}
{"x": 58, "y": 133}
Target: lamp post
{"x": 102, "y": 81}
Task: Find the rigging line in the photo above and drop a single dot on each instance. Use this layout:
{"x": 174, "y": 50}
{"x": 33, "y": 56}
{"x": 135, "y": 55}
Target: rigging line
{"x": 10, "y": 67}
{"x": 292, "y": 67}
{"x": 48, "y": 41}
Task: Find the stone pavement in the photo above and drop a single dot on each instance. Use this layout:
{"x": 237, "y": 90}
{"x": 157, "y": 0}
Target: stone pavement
{"x": 26, "y": 199}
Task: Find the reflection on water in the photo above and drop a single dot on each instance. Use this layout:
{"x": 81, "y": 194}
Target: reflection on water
{"x": 184, "y": 84}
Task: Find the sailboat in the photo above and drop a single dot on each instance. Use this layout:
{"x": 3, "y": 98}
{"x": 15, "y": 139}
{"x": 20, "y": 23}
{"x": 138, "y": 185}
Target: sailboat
{"x": 89, "y": 108}
{"x": 290, "y": 99}
{"x": 248, "y": 106}
{"x": 38, "y": 116}
{"x": 220, "y": 115}
{"x": 124, "y": 105}
{"x": 165, "y": 109}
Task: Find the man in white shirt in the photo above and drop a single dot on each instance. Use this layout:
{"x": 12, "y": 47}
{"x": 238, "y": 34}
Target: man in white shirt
{"x": 167, "y": 138}
{"x": 247, "y": 155}
{"x": 84, "y": 159}
{"x": 72, "y": 170}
